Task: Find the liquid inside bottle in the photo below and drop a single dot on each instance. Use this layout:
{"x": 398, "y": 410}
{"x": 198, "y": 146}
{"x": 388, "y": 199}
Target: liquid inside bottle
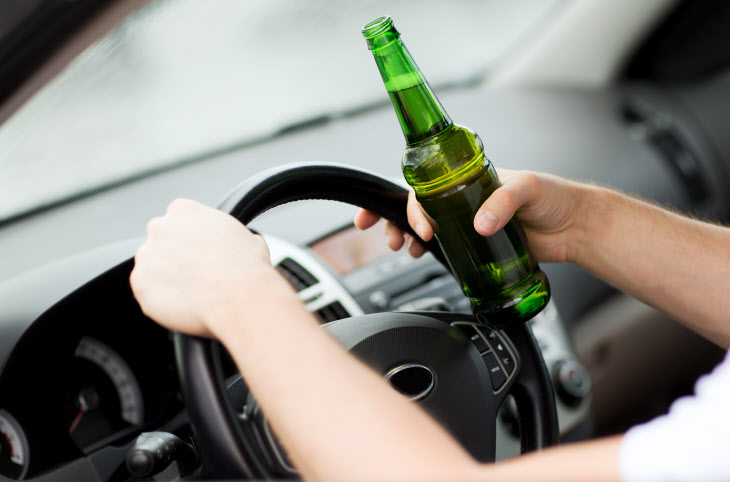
{"x": 446, "y": 166}
{"x": 497, "y": 273}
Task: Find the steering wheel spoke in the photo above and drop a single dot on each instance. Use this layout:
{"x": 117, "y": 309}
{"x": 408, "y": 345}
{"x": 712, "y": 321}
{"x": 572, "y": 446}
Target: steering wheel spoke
{"x": 432, "y": 358}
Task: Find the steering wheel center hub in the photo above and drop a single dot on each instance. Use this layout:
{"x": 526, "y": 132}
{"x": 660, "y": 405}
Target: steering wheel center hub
{"x": 463, "y": 397}
{"x": 448, "y": 375}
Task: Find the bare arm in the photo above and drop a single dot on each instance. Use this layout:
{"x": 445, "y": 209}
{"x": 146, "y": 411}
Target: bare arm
{"x": 343, "y": 426}
{"x": 674, "y": 263}
{"x": 202, "y": 273}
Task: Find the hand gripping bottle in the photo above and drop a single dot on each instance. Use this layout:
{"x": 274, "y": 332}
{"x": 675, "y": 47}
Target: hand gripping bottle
{"x": 446, "y": 166}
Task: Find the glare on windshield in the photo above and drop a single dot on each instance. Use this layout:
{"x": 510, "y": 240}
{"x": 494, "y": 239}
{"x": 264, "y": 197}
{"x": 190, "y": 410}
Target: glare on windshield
{"x": 183, "y": 78}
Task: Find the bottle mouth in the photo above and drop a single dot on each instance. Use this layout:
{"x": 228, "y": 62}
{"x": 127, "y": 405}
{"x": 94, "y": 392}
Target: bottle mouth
{"x": 377, "y": 26}
{"x": 380, "y": 32}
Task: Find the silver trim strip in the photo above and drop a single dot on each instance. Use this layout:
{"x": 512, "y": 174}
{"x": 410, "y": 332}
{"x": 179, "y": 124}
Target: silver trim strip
{"x": 317, "y": 296}
{"x": 408, "y": 366}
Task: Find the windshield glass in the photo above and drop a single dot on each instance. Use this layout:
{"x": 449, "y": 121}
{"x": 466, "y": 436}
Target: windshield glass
{"x": 182, "y": 79}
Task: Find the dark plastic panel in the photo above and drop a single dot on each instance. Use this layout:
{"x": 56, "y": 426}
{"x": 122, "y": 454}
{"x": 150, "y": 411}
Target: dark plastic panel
{"x": 579, "y": 134}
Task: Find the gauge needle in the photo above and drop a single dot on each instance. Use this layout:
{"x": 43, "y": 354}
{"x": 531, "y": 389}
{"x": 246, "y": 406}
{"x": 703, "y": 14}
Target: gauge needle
{"x": 86, "y": 400}
{"x": 76, "y": 421}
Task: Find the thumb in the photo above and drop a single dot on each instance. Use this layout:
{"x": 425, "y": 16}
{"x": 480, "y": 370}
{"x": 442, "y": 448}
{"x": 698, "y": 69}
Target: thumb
{"x": 504, "y": 202}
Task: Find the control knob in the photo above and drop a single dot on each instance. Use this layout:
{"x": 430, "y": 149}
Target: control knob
{"x": 572, "y": 382}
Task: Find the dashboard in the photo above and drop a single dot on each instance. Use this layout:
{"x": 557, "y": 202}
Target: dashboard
{"x": 106, "y": 373}
{"x": 83, "y": 373}
{"x": 89, "y": 373}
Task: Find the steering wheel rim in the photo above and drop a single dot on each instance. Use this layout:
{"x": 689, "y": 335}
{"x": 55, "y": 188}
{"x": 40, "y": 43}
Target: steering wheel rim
{"x": 226, "y": 452}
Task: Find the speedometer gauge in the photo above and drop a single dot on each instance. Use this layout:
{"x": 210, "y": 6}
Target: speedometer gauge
{"x": 104, "y": 396}
{"x": 14, "y": 452}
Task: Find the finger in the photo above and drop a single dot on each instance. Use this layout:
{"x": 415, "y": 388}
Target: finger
{"x": 181, "y": 205}
{"x": 134, "y": 275}
{"x": 503, "y": 203}
{"x": 263, "y": 246}
{"x": 364, "y": 219}
{"x": 141, "y": 251}
{"x": 154, "y": 226}
{"x": 415, "y": 249}
{"x": 394, "y": 237}
{"x": 417, "y": 218}
{"x": 504, "y": 174}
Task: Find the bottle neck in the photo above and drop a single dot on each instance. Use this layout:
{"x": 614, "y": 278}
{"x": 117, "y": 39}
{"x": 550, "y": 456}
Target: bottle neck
{"x": 419, "y": 112}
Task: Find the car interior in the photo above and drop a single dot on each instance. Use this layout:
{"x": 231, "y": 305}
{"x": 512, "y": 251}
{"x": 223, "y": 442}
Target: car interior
{"x": 625, "y": 94}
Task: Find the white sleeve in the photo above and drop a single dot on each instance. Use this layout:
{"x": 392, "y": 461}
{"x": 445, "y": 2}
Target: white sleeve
{"x": 691, "y": 442}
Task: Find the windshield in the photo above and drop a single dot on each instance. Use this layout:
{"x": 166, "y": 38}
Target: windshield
{"x": 182, "y": 79}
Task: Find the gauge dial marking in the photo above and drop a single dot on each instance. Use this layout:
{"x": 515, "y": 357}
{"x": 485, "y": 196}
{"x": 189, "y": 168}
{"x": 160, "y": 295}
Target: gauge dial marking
{"x": 130, "y": 394}
{"x": 19, "y": 454}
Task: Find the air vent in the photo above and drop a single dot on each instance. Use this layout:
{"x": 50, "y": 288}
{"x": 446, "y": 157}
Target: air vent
{"x": 296, "y": 274}
{"x": 333, "y": 311}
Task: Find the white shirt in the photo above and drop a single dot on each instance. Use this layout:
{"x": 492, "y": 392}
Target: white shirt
{"x": 691, "y": 442}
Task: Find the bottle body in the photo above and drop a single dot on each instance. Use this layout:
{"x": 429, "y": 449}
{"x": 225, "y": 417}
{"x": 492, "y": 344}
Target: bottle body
{"x": 452, "y": 179}
{"x": 446, "y": 166}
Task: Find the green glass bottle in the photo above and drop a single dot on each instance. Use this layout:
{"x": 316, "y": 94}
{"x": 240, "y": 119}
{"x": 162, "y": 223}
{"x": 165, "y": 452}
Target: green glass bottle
{"x": 446, "y": 166}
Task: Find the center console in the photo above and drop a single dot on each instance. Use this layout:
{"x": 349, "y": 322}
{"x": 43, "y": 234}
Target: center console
{"x": 350, "y": 272}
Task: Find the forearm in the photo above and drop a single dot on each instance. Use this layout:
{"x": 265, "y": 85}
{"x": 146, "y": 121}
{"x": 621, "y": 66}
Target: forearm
{"x": 336, "y": 417}
{"x": 596, "y": 460}
{"x": 340, "y": 421}
{"x": 674, "y": 263}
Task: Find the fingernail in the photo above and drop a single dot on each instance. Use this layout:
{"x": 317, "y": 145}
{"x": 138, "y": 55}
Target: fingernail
{"x": 486, "y": 220}
{"x": 418, "y": 228}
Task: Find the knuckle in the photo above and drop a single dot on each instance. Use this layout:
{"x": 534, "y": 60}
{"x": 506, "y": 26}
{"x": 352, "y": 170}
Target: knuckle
{"x": 530, "y": 180}
{"x": 138, "y": 253}
{"x": 179, "y": 204}
{"x": 134, "y": 281}
{"x": 154, "y": 226}
{"x": 141, "y": 253}
{"x": 262, "y": 244}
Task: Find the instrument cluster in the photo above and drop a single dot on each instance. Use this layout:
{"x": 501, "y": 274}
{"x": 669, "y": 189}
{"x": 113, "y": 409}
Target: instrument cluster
{"x": 81, "y": 379}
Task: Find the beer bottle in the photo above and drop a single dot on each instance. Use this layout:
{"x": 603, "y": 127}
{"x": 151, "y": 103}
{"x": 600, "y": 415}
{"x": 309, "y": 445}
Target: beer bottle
{"x": 446, "y": 166}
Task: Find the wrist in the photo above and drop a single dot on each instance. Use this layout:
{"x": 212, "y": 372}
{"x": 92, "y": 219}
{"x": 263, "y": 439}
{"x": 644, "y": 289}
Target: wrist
{"x": 244, "y": 301}
{"x": 592, "y": 221}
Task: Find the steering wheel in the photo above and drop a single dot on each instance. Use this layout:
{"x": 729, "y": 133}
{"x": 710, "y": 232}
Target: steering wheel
{"x": 459, "y": 370}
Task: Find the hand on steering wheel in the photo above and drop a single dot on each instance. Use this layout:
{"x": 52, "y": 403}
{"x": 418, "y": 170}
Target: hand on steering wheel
{"x": 546, "y": 206}
{"x": 466, "y": 394}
